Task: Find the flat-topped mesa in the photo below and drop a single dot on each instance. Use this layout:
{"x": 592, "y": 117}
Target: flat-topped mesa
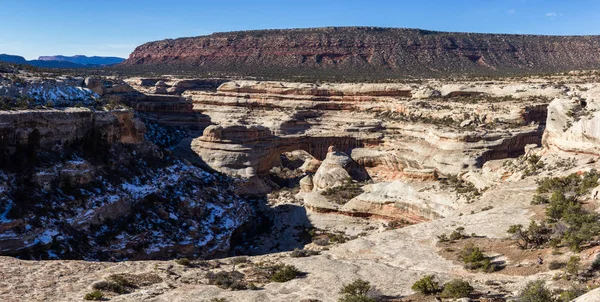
{"x": 365, "y": 53}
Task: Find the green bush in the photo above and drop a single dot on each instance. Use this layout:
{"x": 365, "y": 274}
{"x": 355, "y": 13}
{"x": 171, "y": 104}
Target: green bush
{"x": 573, "y": 266}
{"x": 443, "y": 238}
{"x": 109, "y": 286}
{"x": 457, "y": 234}
{"x": 474, "y": 259}
{"x": 536, "y": 291}
{"x": 570, "y": 294}
{"x": 596, "y": 264}
{"x": 471, "y": 254}
{"x": 94, "y": 295}
{"x": 342, "y": 194}
{"x": 457, "y": 289}
{"x": 534, "y": 236}
{"x": 122, "y": 281}
{"x": 426, "y": 285}
{"x": 226, "y": 280}
{"x": 284, "y": 273}
{"x": 184, "y": 262}
{"x": 554, "y": 265}
{"x": 297, "y": 253}
{"x": 356, "y": 292}
{"x": 564, "y": 208}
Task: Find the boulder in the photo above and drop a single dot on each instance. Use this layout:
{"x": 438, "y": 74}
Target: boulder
{"x": 95, "y": 85}
{"x": 160, "y": 87}
{"x": 337, "y": 169}
{"x": 306, "y": 184}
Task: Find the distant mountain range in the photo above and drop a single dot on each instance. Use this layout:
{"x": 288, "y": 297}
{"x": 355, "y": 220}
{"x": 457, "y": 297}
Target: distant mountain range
{"x": 59, "y": 61}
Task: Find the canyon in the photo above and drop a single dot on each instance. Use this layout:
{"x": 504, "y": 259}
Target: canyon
{"x": 105, "y": 175}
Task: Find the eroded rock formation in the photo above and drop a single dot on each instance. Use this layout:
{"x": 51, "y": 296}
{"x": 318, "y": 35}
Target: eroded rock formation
{"x": 408, "y": 132}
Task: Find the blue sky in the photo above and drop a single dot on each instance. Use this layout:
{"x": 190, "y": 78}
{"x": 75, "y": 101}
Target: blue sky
{"x": 113, "y": 28}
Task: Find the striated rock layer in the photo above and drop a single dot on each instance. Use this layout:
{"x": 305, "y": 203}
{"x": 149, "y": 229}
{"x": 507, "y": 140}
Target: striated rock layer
{"x": 394, "y": 132}
{"x": 366, "y": 53}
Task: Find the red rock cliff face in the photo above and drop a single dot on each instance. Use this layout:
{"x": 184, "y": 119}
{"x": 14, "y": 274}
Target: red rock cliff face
{"x": 358, "y": 52}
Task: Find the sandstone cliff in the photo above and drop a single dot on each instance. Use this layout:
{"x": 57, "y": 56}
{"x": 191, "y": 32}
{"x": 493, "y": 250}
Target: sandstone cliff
{"x": 365, "y": 53}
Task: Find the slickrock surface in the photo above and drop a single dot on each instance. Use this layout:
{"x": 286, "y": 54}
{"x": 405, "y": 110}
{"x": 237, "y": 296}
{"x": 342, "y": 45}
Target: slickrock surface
{"x": 363, "y": 53}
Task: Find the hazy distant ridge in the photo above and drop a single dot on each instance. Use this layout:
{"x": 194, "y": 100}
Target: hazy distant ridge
{"x": 84, "y": 60}
{"x": 78, "y": 61}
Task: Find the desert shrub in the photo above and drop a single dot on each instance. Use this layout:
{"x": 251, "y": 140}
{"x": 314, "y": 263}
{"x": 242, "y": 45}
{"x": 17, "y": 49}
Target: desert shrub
{"x": 356, "y": 292}
{"x": 573, "y": 265}
{"x": 534, "y": 236}
{"x": 284, "y": 273}
{"x": 554, "y": 265}
{"x": 323, "y": 241}
{"x": 596, "y": 263}
{"x": 109, "y": 286}
{"x": 461, "y": 186}
{"x": 122, "y": 281}
{"x": 183, "y": 261}
{"x": 337, "y": 238}
{"x": 536, "y": 291}
{"x": 457, "y": 289}
{"x": 539, "y": 199}
{"x": 571, "y": 184}
{"x": 226, "y": 280}
{"x": 457, "y": 234}
{"x": 471, "y": 254}
{"x": 94, "y": 295}
{"x": 443, "y": 238}
{"x": 341, "y": 194}
{"x": 474, "y": 259}
{"x": 239, "y": 260}
{"x": 569, "y": 294}
{"x": 573, "y": 226}
{"x": 560, "y": 206}
{"x": 426, "y": 285}
{"x": 297, "y": 253}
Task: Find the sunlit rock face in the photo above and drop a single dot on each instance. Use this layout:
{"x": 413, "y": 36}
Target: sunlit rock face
{"x": 361, "y": 53}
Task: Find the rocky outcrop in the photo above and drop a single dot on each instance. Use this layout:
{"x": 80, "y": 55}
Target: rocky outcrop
{"x": 336, "y": 170}
{"x": 85, "y": 184}
{"x": 58, "y": 128}
{"x": 573, "y": 125}
{"x": 365, "y": 53}
{"x": 257, "y": 121}
{"x": 249, "y": 151}
{"x": 51, "y": 92}
{"x": 102, "y": 86}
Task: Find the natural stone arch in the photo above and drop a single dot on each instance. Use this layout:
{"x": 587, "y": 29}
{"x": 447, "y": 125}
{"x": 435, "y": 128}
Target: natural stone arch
{"x": 250, "y": 151}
